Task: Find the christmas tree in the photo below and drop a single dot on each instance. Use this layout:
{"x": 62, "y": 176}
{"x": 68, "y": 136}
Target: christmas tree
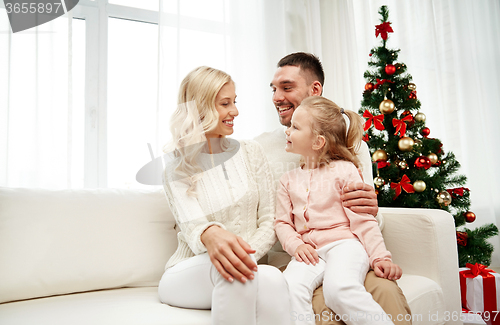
{"x": 412, "y": 170}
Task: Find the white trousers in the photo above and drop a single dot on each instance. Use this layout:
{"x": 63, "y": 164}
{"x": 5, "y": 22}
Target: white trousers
{"x": 196, "y": 283}
{"x": 342, "y": 269}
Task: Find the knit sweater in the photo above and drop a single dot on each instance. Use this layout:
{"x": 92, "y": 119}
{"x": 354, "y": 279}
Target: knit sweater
{"x": 309, "y": 211}
{"x": 243, "y": 203}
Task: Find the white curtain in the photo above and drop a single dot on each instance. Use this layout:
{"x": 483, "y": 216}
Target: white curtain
{"x": 41, "y": 144}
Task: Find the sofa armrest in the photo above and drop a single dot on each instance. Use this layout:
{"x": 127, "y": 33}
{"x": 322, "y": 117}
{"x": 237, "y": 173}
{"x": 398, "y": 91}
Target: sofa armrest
{"x": 423, "y": 242}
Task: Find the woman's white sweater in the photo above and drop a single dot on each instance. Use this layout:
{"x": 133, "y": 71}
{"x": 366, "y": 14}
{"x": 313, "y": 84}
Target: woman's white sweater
{"x": 240, "y": 199}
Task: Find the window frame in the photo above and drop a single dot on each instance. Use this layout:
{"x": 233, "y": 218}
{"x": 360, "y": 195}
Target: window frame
{"x": 96, "y": 15}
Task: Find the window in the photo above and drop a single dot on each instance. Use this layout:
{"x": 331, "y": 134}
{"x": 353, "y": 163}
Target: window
{"x": 83, "y": 96}
{"x": 132, "y": 98}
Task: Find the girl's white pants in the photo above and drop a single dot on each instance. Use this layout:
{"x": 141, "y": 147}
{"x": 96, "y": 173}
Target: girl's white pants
{"x": 342, "y": 269}
{"x": 196, "y": 283}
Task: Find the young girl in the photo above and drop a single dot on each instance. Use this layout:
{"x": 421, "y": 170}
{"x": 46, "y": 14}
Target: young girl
{"x": 329, "y": 244}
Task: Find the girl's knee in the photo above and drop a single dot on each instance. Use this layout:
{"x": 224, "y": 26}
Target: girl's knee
{"x": 337, "y": 294}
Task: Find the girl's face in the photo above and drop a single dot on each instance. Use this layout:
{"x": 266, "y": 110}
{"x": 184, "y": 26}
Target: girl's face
{"x": 225, "y": 103}
{"x": 299, "y": 135}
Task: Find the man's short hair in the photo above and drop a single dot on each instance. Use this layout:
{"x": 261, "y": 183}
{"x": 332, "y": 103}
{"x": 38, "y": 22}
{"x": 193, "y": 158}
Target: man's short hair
{"x": 307, "y": 62}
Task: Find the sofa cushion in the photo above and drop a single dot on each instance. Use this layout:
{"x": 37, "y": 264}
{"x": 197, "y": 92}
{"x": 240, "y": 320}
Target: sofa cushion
{"x": 129, "y": 306}
{"x": 63, "y": 241}
{"x": 425, "y": 298}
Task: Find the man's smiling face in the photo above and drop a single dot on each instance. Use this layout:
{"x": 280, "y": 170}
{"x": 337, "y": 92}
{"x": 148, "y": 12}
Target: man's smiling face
{"x": 290, "y": 87}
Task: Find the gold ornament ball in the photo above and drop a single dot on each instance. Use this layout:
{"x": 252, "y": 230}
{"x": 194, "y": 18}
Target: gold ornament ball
{"x": 419, "y": 186}
{"x": 406, "y": 144}
{"x": 420, "y": 117}
{"x": 433, "y": 157}
{"x": 412, "y": 86}
{"x": 444, "y": 198}
{"x": 387, "y": 106}
{"x": 379, "y": 155}
{"x": 378, "y": 181}
{"x": 402, "y": 164}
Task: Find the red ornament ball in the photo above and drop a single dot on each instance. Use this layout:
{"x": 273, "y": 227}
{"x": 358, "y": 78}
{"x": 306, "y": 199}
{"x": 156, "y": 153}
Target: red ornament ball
{"x": 425, "y": 132}
{"x": 437, "y": 164}
{"x": 413, "y": 95}
{"x": 369, "y": 86}
{"x": 469, "y": 216}
{"x": 423, "y": 162}
{"x": 390, "y": 69}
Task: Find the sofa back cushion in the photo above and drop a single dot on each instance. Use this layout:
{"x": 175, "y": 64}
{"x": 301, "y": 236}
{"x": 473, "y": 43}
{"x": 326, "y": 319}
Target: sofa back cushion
{"x": 56, "y": 242}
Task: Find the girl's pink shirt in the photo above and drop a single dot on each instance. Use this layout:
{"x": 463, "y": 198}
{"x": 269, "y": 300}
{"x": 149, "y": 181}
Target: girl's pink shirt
{"x": 309, "y": 210}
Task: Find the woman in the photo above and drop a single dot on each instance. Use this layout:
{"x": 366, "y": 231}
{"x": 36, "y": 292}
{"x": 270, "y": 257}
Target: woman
{"x": 225, "y": 211}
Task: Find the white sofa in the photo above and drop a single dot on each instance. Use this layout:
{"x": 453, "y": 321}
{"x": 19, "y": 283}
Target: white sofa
{"x": 96, "y": 257}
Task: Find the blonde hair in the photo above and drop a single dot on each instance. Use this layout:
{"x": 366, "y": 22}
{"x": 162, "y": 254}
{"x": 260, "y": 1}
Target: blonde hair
{"x": 196, "y": 114}
{"x": 327, "y": 121}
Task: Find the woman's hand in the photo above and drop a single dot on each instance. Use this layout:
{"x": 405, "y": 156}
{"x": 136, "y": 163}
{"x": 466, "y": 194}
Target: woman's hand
{"x": 229, "y": 254}
{"x": 387, "y": 270}
{"x": 360, "y": 197}
{"x": 307, "y": 254}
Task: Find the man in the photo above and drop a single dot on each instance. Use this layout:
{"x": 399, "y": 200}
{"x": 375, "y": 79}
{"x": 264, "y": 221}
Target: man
{"x": 300, "y": 75}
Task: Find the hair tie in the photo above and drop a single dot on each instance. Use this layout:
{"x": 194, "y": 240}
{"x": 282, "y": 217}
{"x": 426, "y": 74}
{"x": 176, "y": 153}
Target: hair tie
{"x": 346, "y": 119}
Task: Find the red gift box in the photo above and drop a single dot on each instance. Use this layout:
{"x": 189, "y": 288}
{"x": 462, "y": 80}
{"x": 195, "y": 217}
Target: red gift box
{"x": 479, "y": 291}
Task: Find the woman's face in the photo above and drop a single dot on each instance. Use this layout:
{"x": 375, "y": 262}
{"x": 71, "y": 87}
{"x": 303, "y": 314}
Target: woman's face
{"x": 225, "y": 103}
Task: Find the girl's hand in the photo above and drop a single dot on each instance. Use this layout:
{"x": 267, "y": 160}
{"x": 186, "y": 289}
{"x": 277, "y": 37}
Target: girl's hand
{"x": 229, "y": 254}
{"x": 307, "y": 254}
{"x": 387, "y": 270}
